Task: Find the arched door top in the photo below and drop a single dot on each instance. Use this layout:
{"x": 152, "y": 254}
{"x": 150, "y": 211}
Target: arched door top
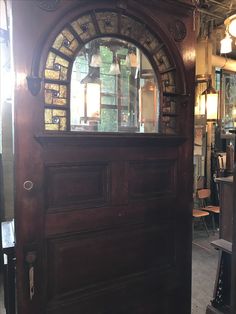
{"x": 102, "y": 23}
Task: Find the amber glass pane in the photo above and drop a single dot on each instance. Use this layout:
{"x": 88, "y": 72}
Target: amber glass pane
{"x": 169, "y": 125}
{"x": 169, "y": 105}
{"x": 55, "y": 94}
{"x": 66, "y": 43}
{"x": 168, "y": 82}
{"x": 162, "y": 60}
{"x": 84, "y": 27}
{"x": 56, "y": 67}
{"x": 55, "y": 119}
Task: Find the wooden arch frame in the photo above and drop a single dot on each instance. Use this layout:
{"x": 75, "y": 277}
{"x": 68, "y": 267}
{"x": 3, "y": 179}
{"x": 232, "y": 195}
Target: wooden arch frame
{"x": 160, "y": 50}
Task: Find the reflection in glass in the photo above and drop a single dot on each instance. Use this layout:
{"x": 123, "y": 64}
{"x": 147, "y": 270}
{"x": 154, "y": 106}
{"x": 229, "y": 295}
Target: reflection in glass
{"x": 113, "y": 89}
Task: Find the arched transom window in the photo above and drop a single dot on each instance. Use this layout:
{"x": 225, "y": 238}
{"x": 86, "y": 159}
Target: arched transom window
{"x": 107, "y": 72}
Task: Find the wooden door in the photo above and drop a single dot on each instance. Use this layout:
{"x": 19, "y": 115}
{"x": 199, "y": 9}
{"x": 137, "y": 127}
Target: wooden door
{"x": 104, "y": 219}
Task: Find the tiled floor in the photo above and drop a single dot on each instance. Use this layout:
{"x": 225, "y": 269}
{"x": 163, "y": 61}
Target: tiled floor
{"x": 204, "y": 265}
{"x": 2, "y": 309}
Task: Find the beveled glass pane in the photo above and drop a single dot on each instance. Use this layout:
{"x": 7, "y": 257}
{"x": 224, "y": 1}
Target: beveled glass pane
{"x": 113, "y": 88}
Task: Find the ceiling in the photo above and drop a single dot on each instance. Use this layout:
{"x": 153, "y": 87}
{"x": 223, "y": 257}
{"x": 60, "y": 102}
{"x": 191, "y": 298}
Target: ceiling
{"x": 215, "y": 11}
{"x": 212, "y": 15}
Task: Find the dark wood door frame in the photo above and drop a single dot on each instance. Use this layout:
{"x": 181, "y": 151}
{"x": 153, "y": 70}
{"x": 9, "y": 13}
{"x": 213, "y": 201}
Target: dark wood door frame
{"x": 47, "y": 221}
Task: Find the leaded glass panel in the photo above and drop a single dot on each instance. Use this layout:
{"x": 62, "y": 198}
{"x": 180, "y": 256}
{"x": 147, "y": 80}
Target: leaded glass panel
{"x": 55, "y": 119}
{"x": 108, "y": 22}
{"x": 84, "y": 27}
{"x": 66, "y": 43}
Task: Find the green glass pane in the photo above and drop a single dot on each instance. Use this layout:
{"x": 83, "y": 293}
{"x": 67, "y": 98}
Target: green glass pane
{"x": 108, "y": 83}
{"x": 109, "y": 121}
{"x": 108, "y": 100}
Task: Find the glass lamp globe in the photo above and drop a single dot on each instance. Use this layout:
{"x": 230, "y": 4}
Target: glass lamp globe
{"x": 232, "y": 25}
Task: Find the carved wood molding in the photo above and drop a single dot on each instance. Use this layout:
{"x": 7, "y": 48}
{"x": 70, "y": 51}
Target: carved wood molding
{"x": 109, "y": 139}
{"x": 48, "y": 5}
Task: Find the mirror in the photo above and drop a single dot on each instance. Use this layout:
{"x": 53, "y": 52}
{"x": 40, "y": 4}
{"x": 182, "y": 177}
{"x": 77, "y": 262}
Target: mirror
{"x": 113, "y": 89}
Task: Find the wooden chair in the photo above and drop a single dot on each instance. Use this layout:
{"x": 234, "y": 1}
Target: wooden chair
{"x": 197, "y": 213}
{"x": 204, "y": 197}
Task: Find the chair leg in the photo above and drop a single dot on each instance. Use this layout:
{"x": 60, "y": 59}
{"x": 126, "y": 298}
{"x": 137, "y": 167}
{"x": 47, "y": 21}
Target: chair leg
{"x": 205, "y": 226}
{"x": 193, "y": 229}
{"x": 213, "y": 223}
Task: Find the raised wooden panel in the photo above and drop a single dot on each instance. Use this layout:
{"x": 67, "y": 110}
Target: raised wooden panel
{"x": 120, "y": 253}
{"x": 152, "y": 178}
{"x": 150, "y": 293}
{"x": 77, "y": 186}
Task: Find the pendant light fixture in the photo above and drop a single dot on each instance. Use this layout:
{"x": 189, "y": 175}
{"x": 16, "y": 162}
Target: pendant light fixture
{"x": 115, "y": 67}
{"x": 209, "y": 101}
{"x": 230, "y": 34}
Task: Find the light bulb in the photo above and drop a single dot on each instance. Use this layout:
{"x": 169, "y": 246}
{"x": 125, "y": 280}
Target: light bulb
{"x": 226, "y": 44}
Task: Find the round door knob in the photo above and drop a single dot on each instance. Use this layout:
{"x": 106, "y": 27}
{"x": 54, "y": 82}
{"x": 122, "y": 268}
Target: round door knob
{"x": 28, "y": 185}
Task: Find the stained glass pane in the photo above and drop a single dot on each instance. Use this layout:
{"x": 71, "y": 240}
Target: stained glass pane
{"x": 169, "y": 105}
{"x": 55, "y": 119}
{"x": 168, "y": 82}
{"x": 108, "y": 22}
{"x": 84, "y": 27}
{"x": 162, "y": 60}
{"x": 66, "y": 43}
{"x": 56, "y": 67}
{"x": 55, "y": 94}
{"x": 169, "y": 125}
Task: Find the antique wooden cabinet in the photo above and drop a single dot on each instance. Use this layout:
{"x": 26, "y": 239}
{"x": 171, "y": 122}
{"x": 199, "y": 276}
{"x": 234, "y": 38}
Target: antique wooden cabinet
{"x": 103, "y": 216}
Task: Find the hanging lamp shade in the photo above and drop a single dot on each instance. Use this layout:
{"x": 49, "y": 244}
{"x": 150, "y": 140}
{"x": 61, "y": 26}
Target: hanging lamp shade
{"x": 226, "y": 44}
{"x": 230, "y": 24}
{"x": 96, "y": 61}
{"x": 115, "y": 67}
{"x": 209, "y": 101}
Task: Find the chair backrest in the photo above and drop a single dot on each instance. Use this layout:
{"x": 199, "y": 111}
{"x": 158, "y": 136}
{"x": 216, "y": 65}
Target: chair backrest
{"x": 203, "y": 195}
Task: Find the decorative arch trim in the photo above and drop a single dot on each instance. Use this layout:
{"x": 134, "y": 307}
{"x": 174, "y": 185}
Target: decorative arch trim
{"x": 100, "y": 23}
